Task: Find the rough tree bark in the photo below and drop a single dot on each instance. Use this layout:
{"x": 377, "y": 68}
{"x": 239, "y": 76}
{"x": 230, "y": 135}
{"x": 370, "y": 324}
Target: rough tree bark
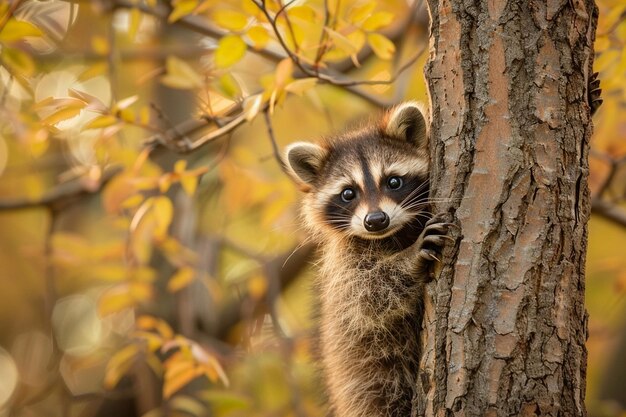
{"x": 505, "y": 327}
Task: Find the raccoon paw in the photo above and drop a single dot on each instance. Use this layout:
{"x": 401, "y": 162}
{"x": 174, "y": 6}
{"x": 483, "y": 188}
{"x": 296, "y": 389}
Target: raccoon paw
{"x": 594, "y": 93}
{"x": 433, "y": 238}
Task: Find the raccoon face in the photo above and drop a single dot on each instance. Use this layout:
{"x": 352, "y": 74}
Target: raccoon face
{"x": 369, "y": 184}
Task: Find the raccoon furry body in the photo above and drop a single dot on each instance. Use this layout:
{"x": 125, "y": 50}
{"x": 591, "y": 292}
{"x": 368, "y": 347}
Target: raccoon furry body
{"x": 366, "y": 204}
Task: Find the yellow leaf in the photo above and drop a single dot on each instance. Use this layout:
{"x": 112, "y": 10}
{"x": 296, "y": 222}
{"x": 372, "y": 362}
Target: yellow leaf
{"x": 180, "y": 75}
{"x": 181, "y": 279}
{"x": 378, "y": 20}
{"x": 140, "y": 291}
{"x": 60, "y": 115}
{"x": 382, "y": 47}
{"x": 189, "y": 183}
{"x": 229, "y": 86}
{"x": 180, "y": 166}
{"x": 303, "y": 12}
{"x": 163, "y": 210}
{"x": 114, "y": 300}
{"x": 284, "y": 69}
{"x": 132, "y": 201}
{"x": 119, "y": 365}
{"x": 153, "y": 323}
{"x": 94, "y": 70}
{"x": 134, "y": 23}
{"x": 361, "y": 12}
{"x": 143, "y": 274}
{"x": 104, "y": 272}
{"x": 259, "y": 36}
{"x": 15, "y": 30}
{"x": 153, "y": 341}
{"x": 127, "y": 115}
{"x": 118, "y": 190}
{"x": 165, "y": 182}
{"x": 18, "y": 61}
{"x": 230, "y": 19}
{"x": 99, "y": 122}
{"x": 229, "y": 51}
{"x": 177, "y": 376}
{"x": 341, "y": 42}
{"x": 299, "y": 87}
{"x": 182, "y": 9}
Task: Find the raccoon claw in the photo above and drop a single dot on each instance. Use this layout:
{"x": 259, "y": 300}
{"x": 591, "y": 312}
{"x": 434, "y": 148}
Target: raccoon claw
{"x": 594, "y": 93}
{"x": 434, "y": 237}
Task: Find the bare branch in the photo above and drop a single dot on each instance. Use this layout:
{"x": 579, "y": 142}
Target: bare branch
{"x": 609, "y": 211}
{"x": 270, "y": 133}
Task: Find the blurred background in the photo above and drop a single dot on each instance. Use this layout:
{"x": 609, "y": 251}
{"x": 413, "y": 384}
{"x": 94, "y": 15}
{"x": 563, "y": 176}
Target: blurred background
{"x": 151, "y": 259}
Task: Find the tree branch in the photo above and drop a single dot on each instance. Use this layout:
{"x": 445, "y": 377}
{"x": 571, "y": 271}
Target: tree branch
{"x": 609, "y": 211}
{"x": 60, "y": 194}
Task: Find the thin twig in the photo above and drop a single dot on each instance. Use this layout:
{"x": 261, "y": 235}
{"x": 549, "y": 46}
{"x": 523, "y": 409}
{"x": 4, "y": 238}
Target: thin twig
{"x": 270, "y": 133}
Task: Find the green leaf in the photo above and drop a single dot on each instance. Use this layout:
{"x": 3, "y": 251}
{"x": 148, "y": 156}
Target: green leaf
{"x": 229, "y": 51}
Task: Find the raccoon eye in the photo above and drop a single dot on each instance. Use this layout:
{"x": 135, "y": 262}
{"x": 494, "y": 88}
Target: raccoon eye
{"x": 348, "y": 194}
{"x": 394, "y": 183}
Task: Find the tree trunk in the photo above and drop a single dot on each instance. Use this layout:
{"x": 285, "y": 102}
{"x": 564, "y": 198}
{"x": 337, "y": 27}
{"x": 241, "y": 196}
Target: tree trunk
{"x": 505, "y": 324}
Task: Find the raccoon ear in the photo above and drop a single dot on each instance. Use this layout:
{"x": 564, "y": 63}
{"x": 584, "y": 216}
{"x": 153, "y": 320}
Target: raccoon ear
{"x": 304, "y": 161}
{"x": 406, "y": 122}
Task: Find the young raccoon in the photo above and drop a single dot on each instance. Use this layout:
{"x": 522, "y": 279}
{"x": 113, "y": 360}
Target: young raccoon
{"x": 366, "y": 204}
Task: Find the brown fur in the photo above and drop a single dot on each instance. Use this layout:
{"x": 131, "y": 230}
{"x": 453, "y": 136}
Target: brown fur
{"x": 370, "y": 285}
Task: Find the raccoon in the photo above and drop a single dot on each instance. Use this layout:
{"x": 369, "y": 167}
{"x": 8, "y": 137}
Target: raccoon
{"x": 366, "y": 204}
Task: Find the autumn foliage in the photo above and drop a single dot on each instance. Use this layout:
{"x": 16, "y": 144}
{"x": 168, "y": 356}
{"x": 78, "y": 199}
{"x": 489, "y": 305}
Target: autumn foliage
{"x": 152, "y": 262}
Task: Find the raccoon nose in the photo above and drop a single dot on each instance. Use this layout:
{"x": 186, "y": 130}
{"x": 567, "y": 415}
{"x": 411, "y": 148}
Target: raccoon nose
{"x": 377, "y": 221}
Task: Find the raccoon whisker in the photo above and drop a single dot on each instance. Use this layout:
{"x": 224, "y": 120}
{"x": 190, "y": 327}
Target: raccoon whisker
{"x": 415, "y": 195}
{"x": 421, "y": 189}
{"x": 296, "y": 249}
{"x": 411, "y": 197}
